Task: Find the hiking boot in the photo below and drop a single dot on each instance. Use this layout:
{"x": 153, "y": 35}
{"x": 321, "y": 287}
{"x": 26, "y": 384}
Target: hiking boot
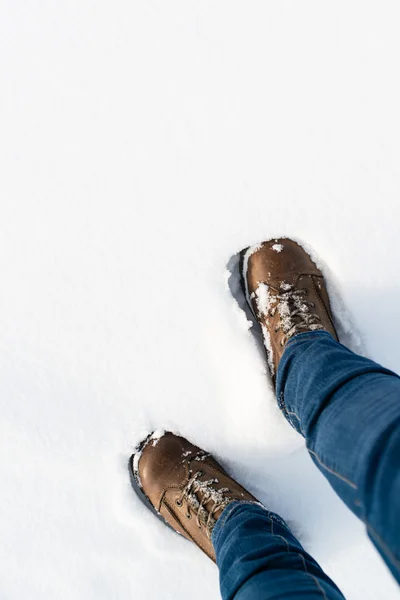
{"x": 287, "y": 294}
{"x": 184, "y": 485}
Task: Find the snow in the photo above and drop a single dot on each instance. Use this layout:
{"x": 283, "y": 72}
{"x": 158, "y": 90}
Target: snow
{"x": 263, "y": 299}
{"x": 136, "y": 458}
{"x": 277, "y": 248}
{"x": 142, "y": 145}
{"x": 269, "y": 349}
{"x": 156, "y": 436}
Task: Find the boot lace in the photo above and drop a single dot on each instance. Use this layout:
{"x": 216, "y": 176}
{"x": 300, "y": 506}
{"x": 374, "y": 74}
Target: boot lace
{"x": 207, "y": 493}
{"x": 296, "y": 313}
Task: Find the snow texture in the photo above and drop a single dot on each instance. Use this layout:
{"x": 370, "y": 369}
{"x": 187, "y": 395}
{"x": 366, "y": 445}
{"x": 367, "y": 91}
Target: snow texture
{"x": 263, "y": 301}
{"x": 269, "y": 349}
{"x": 143, "y": 144}
{"x": 156, "y": 436}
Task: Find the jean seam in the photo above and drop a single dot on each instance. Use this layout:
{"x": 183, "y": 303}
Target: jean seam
{"x": 282, "y": 405}
{"x": 383, "y": 544}
{"x": 278, "y": 520}
{"x": 335, "y": 473}
{"x": 301, "y": 557}
{"x": 279, "y": 536}
{"x": 321, "y": 589}
{"x": 288, "y": 412}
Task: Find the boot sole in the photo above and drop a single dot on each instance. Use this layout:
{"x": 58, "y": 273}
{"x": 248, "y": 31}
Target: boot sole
{"x": 243, "y": 279}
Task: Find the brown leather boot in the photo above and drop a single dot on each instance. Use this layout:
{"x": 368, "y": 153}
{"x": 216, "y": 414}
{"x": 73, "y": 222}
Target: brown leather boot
{"x": 186, "y": 486}
{"x": 287, "y": 294}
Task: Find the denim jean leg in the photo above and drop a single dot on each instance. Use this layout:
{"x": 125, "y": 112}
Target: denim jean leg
{"x": 260, "y": 559}
{"x": 347, "y": 407}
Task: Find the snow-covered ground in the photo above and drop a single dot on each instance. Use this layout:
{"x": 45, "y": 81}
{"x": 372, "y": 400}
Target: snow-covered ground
{"x": 142, "y": 144}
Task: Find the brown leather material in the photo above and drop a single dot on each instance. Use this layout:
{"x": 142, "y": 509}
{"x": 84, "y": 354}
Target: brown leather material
{"x": 166, "y": 467}
{"x": 287, "y": 293}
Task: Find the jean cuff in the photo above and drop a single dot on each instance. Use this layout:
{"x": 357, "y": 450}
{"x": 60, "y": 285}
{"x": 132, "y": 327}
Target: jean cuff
{"x": 226, "y": 513}
{"x": 302, "y": 337}
{"x": 237, "y": 506}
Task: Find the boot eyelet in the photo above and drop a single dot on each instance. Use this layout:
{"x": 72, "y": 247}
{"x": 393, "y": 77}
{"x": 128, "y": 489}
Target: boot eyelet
{"x": 201, "y": 473}
{"x": 189, "y": 516}
{"x": 178, "y": 502}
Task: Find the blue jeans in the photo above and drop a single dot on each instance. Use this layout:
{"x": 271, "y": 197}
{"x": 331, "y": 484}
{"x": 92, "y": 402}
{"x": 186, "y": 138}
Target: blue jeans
{"x": 348, "y": 409}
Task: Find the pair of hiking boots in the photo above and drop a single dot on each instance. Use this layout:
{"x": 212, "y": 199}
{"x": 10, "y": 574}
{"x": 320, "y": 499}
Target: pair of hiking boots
{"x": 184, "y": 484}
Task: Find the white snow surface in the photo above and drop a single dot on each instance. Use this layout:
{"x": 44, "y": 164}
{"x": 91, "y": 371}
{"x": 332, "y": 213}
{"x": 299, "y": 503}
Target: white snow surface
{"x": 143, "y": 144}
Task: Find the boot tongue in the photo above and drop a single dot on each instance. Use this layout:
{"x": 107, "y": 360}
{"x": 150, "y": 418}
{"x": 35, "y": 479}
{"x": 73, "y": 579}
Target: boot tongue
{"x": 296, "y": 313}
{"x": 206, "y": 489}
{"x": 210, "y": 488}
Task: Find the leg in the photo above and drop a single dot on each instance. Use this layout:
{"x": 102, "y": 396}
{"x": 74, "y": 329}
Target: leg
{"x": 346, "y": 406}
{"x": 348, "y": 409}
{"x": 259, "y": 558}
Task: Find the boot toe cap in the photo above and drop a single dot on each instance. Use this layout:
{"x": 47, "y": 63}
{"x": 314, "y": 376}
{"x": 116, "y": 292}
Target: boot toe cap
{"x": 157, "y": 462}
